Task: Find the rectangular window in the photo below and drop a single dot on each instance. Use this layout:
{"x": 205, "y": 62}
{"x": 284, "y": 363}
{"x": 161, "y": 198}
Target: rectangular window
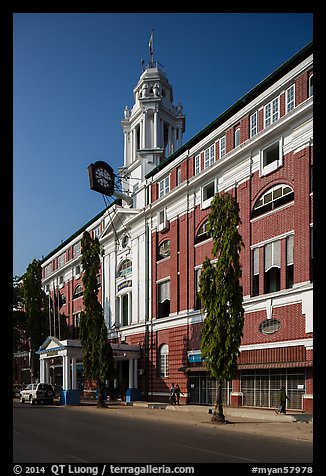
{"x": 208, "y": 192}
{"x": 163, "y": 299}
{"x": 222, "y": 146}
{"x": 290, "y": 98}
{"x": 97, "y": 232}
{"x": 48, "y": 270}
{"x": 271, "y": 112}
{"x": 289, "y": 261}
{"x": 197, "y": 164}
{"x": 164, "y": 186}
{"x": 272, "y": 266}
{"x": 255, "y": 272}
{"x": 311, "y": 86}
{"x": 179, "y": 176}
{"x": 237, "y": 137}
{"x": 197, "y": 298}
{"x": 61, "y": 260}
{"x": 271, "y": 158}
{"x": 209, "y": 156}
{"x": 76, "y": 249}
{"x": 253, "y": 124}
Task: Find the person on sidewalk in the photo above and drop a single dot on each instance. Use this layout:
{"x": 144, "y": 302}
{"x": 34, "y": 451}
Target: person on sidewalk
{"x": 177, "y": 392}
{"x": 172, "y": 394}
{"x": 283, "y": 398}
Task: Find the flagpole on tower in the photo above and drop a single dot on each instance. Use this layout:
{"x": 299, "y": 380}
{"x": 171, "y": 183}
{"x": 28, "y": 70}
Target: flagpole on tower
{"x": 151, "y": 48}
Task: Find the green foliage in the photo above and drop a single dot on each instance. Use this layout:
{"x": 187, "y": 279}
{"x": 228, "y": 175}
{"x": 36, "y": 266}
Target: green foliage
{"x": 220, "y": 291}
{"x": 97, "y": 351}
{"x": 37, "y": 325}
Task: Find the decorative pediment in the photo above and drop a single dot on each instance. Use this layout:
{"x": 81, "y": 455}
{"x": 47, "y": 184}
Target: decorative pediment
{"x": 118, "y": 219}
{"x": 50, "y": 342}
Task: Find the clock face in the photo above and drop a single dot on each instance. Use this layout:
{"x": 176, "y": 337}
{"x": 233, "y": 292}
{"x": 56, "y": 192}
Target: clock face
{"x": 103, "y": 177}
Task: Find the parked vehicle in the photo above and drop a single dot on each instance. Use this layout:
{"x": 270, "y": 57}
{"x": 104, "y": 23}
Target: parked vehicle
{"x": 37, "y": 393}
{"x": 17, "y": 387}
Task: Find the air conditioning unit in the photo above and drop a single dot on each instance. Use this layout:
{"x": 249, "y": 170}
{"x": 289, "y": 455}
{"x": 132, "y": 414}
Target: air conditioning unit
{"x": 163, "y": 223}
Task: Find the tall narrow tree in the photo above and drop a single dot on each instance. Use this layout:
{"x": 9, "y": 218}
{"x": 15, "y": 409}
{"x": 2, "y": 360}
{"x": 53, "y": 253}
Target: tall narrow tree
{"x": 97, "y": 351}
{"x": 221, "y": 296}
{"x": 36, "y": 309}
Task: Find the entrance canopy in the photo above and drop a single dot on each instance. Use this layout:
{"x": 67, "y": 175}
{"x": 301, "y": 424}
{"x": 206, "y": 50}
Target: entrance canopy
{"x": 71, "y": 351}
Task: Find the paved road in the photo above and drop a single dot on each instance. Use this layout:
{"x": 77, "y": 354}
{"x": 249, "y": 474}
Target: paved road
{"x": 64, "y": 434}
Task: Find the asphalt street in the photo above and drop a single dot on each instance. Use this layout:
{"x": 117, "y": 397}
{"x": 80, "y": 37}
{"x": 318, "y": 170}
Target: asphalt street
{"x": 85, "y": 434}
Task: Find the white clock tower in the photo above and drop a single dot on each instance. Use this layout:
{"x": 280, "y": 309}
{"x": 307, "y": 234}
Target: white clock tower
{"x": 153, "y": 127}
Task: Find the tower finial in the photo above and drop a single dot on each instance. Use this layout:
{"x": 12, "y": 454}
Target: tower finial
{"x": 151, "y": 48}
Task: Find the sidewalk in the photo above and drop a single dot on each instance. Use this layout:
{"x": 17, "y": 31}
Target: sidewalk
{"x": 243, "y": 412}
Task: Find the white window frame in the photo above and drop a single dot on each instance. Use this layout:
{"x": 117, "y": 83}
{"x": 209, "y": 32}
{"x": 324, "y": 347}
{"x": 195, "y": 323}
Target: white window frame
{"x": 310, "y": 85}
{"x": 97, "y": 231}
{"x": 206, "y": 201}
{"x": 222, "y": 146}
{"x": 268, "y": 168}
{"x": 197, "y": 164}
{"x": 164, "y": 360}
{"x": 271, "y": 112}
{"x": 164, "y": 186}
{"x": 290, "y": 98}
{"x": 253, "y": 124}
{"x": 162, "y": 221}
{"x": 209, "y": 156}
{"x": 76, "y": 249}
{"x": 237, "y": 136}
{"x": 61, "y": 260}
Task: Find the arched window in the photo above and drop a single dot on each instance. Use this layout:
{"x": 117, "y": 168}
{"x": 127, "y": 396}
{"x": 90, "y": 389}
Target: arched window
{"x": 164, "y": 360}
{"x": 202, "y": 233}
{"x": 125, "y": 268}
{"x": 273, "y": 198}
{"x": 163, "y": 250}
{"x": 78, "y": 292}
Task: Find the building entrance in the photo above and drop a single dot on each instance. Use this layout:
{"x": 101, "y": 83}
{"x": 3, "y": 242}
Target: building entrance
{"x": 261, "y": 388}
{"x": 202, "y": 389}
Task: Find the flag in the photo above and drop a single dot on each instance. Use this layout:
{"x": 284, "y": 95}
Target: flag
{"x": 150, "y": 43}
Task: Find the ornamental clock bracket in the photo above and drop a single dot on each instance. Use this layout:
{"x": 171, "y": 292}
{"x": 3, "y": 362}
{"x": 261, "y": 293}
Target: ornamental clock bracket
{"x": 101, "y": 179}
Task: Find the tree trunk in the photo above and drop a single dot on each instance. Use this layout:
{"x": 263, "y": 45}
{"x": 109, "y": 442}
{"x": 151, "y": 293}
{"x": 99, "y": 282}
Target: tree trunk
{"x": 218, "y": 415}
{"x": 100, "y": 399}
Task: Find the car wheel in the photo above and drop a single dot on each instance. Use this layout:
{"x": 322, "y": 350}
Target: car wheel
{"x": 31, "y": 400}
{"x": 21, "y": 400}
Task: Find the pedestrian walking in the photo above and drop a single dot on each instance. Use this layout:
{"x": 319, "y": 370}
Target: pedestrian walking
{"x": 177, "y": 392}
{"x": 172, "y": 394}
{"x": 283, "y": 398}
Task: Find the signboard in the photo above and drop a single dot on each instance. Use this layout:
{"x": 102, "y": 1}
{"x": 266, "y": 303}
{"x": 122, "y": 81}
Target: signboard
{"x": 125, "y": 284}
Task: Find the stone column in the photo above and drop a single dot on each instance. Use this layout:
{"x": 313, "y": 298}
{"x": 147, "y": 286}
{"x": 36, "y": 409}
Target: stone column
{"x": 135, "y": 373}
{"x": 47, "y": 371}
{"x": 131, "y": 374}
{"x": 73, "y": 373}
{"x": 42, "y": 370}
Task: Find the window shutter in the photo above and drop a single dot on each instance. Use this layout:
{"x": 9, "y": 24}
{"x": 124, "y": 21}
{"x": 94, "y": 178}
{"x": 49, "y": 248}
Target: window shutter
{"x": 277, "y": 253}
{"x": 256, "y": 261}
{"x": 289, "y": 250}
{"x": 268, "y": 256}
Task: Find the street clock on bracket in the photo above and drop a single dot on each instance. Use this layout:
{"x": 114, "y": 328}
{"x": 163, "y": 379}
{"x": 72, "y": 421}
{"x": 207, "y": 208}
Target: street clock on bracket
{"x": 101, "y": 177}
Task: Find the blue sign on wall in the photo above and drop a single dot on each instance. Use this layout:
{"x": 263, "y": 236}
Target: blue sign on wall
{"x": 194, "y": 358}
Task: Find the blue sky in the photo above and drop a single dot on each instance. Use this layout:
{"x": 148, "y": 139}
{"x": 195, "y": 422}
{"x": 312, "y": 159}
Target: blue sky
{"x": 74, "y": 74}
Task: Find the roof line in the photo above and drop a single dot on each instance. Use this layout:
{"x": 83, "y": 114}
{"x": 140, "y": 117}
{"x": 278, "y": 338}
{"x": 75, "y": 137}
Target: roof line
{"x": 249, "y": 96}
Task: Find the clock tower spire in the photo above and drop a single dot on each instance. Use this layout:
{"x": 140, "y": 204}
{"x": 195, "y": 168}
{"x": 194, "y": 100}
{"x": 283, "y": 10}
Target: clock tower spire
{"x": 154, "y": 126}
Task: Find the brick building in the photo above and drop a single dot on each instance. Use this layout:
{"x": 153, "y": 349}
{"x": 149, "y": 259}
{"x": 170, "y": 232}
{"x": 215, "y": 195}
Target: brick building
{"x": 261, "y": 151}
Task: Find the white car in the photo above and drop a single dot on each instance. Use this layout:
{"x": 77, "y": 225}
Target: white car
{"x": 37, "y": 393}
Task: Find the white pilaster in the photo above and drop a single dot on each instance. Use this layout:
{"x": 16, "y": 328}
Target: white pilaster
{"x": 73, "y": 373}
{"x": 131, "y": 373}
{"x": 135, "y": 373}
